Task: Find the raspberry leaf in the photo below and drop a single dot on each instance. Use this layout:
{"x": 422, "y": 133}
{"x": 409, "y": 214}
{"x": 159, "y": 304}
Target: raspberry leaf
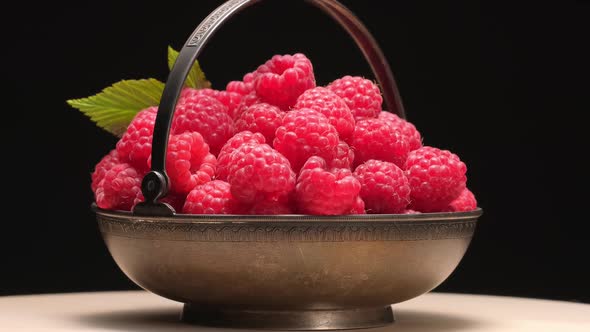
{"x": 196, "y": 77}
{"x": 115, "y": 107}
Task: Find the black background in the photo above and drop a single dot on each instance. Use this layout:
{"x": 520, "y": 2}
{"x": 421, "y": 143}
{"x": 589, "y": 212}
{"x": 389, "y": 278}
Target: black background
{"x": 491, "y": 82}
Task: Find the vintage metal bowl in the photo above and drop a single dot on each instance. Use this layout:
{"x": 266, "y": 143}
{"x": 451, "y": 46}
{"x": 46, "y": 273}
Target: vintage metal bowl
{"x": 294, "y": 272}
{"x": 288, "y": 272}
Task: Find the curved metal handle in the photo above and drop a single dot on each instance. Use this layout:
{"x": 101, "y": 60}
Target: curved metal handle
{"x": 155, "y": 184}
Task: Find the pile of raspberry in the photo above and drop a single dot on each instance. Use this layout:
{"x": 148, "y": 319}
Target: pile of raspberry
{"x": 275, "y": 143}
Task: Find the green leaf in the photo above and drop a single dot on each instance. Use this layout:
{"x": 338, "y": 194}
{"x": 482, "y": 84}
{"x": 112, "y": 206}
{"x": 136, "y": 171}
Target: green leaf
{"x": 115, "y": 107}
{"x": 196, "y": 77}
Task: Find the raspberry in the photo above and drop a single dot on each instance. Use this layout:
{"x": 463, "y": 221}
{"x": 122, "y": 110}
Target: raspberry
{"x": 358, "y": 207}
{"x": 305, "y": 133}
{"x": 135, "y": 146}
{"x": 230, "y": 100}
{"x": 244, "y": 87}
{"x": 436, "y": 178}
{"x": 257, "y": 171}
{"x": 230, "y": 146}
{"x": 210, "y": 198}
{"x": 103, "y": 166}
{"x": 465, "y": 202}
{"x": 409, "y": 211}
{"x": 247, "y": 101}
{"x": 343, "y": 157}
{"x": 206, "y": 116}
{"x": 283, "y": 78}
{"x": 384, "y": 187}
{"x": 175, "y": 200}
{"x": 407, "y": 129}
{"x": 188, "y": 162}
{"x": 333, "y": 107}
{"x": 325, "y": 192}
{"x": 376, "y": 139}
{"x": 261, "y": 118}
{"x": 120, "y": 189}
{"x": 271, "y": 207}
{"x": 362, "y": 96}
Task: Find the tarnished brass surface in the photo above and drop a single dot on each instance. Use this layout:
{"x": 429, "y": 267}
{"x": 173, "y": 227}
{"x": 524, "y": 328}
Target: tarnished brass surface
{"x": 232, "y": 264}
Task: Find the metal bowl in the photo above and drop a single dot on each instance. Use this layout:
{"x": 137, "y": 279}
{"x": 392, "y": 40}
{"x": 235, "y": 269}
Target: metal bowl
{"x": 280, "y": 272}
{"x": 293, "y": 272}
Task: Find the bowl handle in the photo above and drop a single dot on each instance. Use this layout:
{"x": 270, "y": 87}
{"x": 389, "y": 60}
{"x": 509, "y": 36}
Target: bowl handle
{"x": 155, "y": 184}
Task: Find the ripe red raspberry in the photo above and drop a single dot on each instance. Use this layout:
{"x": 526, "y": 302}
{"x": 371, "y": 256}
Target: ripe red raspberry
{"x": 321, "y": 191}
{"x": 343, "y": 157}
{"x": 247, "y": 101}
{"x": 206, "y": 116}
{"x": 409, "y": 211}
{"x": 257, "y": 171}
{"x": 465, "y": 202}
{"x": 210, "y": 198}
{"x": 362, "y": 96}
{"x": 384, "y": 187}
{"x": 376, "y": 139}
{"x": 230, "y": 100}
{"x": 188, "y": 162}
{"x": 305, "y": 133}
{"x": 358, "y": 207}
{"x": 120, "y": 189}
{"x": 271, "y": 207}
{"x": 136, "y": 144}
{"x": 407, "y": 129}
{"x": 283, "y": 78}
{"x": 436, "y": 178}
{"x": 230, "y": 146}
{"x": 243, "y": 87}
{"x": 261, "y": 118}
{"x": 103, "y": 166}
{"x": 333, "y": 107}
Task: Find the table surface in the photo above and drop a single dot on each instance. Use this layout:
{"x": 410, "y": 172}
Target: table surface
{"x": 141, "y": 311}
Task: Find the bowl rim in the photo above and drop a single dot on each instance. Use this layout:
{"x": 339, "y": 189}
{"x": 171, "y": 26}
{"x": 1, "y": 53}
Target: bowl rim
{"x": 298, "y": 218}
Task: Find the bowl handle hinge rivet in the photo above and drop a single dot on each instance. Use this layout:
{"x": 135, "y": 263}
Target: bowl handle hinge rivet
{"x": 155, "y": 185}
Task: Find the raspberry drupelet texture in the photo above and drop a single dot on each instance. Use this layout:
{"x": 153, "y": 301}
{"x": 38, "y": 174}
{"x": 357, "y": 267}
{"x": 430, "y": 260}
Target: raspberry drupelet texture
{"x": 376, "y": 139}
{"x": 384, "y": 187}
{"x": 188, "y": 162}
{"x": 261, "y": 118}
{"x": 243, "y": 87}
{"x": 230, "y": 146}
{"x": 283, "y": 78}
{"x": 212, "y": 197}
{"x": 120, "y": 188}
{"x": 436, "y": 177}
{"x": 257, "y": 172}
{"x": 465, "y": 202}
{"x": 362, "y": 96}
{"x": 358, "y": 207}
{"x": 208, "y": 117}
{"x": 305, "y": 133}
{"x": 230, "y": 100}
{"x": 343, "y": 157}
{"x": 135, "y": 146}
{"x": 407, "y": 129}
{"x": 247, "y": 101}
{"x": 322, "y": 191}
{"x": 330, "y": 105}
{"x": 103, "y": 166}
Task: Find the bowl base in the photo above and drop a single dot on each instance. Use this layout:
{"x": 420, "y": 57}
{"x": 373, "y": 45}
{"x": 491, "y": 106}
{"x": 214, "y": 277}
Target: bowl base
{"x": 288, "y": 319}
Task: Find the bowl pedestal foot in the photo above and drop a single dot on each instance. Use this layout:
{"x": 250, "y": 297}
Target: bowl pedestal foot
{"x": 288, "y": 319}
